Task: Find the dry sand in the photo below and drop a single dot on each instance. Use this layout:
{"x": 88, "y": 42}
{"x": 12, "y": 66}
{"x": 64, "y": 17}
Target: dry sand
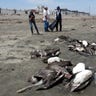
{"x": 16, "y": 43}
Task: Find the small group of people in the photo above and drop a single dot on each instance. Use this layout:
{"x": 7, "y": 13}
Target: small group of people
{"x": 58, "y": 20}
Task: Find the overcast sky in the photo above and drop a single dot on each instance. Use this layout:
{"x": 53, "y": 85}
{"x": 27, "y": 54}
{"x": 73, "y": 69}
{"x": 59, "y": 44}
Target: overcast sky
{"x": 81, "y": 5}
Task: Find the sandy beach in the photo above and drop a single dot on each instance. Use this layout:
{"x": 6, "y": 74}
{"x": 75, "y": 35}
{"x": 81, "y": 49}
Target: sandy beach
{"x": 16, "y": 43}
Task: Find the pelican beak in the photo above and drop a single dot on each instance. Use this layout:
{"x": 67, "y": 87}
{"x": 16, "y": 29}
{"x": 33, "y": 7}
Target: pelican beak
{"x": 74, "y": 87}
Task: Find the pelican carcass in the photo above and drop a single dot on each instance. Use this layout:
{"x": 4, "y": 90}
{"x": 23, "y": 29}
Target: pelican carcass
{"x": 78, "y": 68}
{"x": 81, "y": 78}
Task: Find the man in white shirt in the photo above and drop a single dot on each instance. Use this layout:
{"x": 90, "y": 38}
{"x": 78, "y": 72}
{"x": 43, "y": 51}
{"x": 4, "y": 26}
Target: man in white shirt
{"x": 45, "y": 19}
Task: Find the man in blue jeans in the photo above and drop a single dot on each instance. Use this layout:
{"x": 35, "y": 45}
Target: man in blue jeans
{"x": 46, "y": 24}
{"x": 32, "y": 22}
{"x": 45, "y": 19}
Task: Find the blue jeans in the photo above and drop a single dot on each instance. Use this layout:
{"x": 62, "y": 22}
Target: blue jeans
{"x": 46, "y": 25}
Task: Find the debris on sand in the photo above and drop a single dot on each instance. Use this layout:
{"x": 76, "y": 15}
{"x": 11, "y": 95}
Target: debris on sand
{"x": 83, "y": 47}
{"x": 48, "y": 52}
{"x": 92, "y": 27}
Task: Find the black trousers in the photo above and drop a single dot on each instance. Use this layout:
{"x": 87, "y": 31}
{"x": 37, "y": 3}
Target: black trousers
{"x": 31, "y": 26}
{"x": 59, "y": 24}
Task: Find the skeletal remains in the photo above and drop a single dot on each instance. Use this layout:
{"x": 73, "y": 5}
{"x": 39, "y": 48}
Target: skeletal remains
{"x": 57, "y": 72}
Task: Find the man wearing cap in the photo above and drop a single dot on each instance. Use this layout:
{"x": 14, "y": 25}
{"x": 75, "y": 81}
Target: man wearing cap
{"x": 58, "y": 19}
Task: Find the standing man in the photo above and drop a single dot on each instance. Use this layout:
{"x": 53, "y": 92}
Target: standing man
{"x": 45, "y": 19}
{"x": 58, "y": 19}
{"x": 32, "y": 22}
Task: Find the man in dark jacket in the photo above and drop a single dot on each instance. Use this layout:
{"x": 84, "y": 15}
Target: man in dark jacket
{"x": 58, "y": 19}
{"x": 32, "y": 22}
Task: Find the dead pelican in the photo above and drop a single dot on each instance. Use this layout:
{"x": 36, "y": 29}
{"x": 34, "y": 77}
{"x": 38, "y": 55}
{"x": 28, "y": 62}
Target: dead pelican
{"x": 53, "y": 59}
{"x": 78, "y": 68}
{"x": 48, "y": 52}
{"x": 80, "y": 78}
{"x": 44, "y": 78}
{"x": 84, "y": 43}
